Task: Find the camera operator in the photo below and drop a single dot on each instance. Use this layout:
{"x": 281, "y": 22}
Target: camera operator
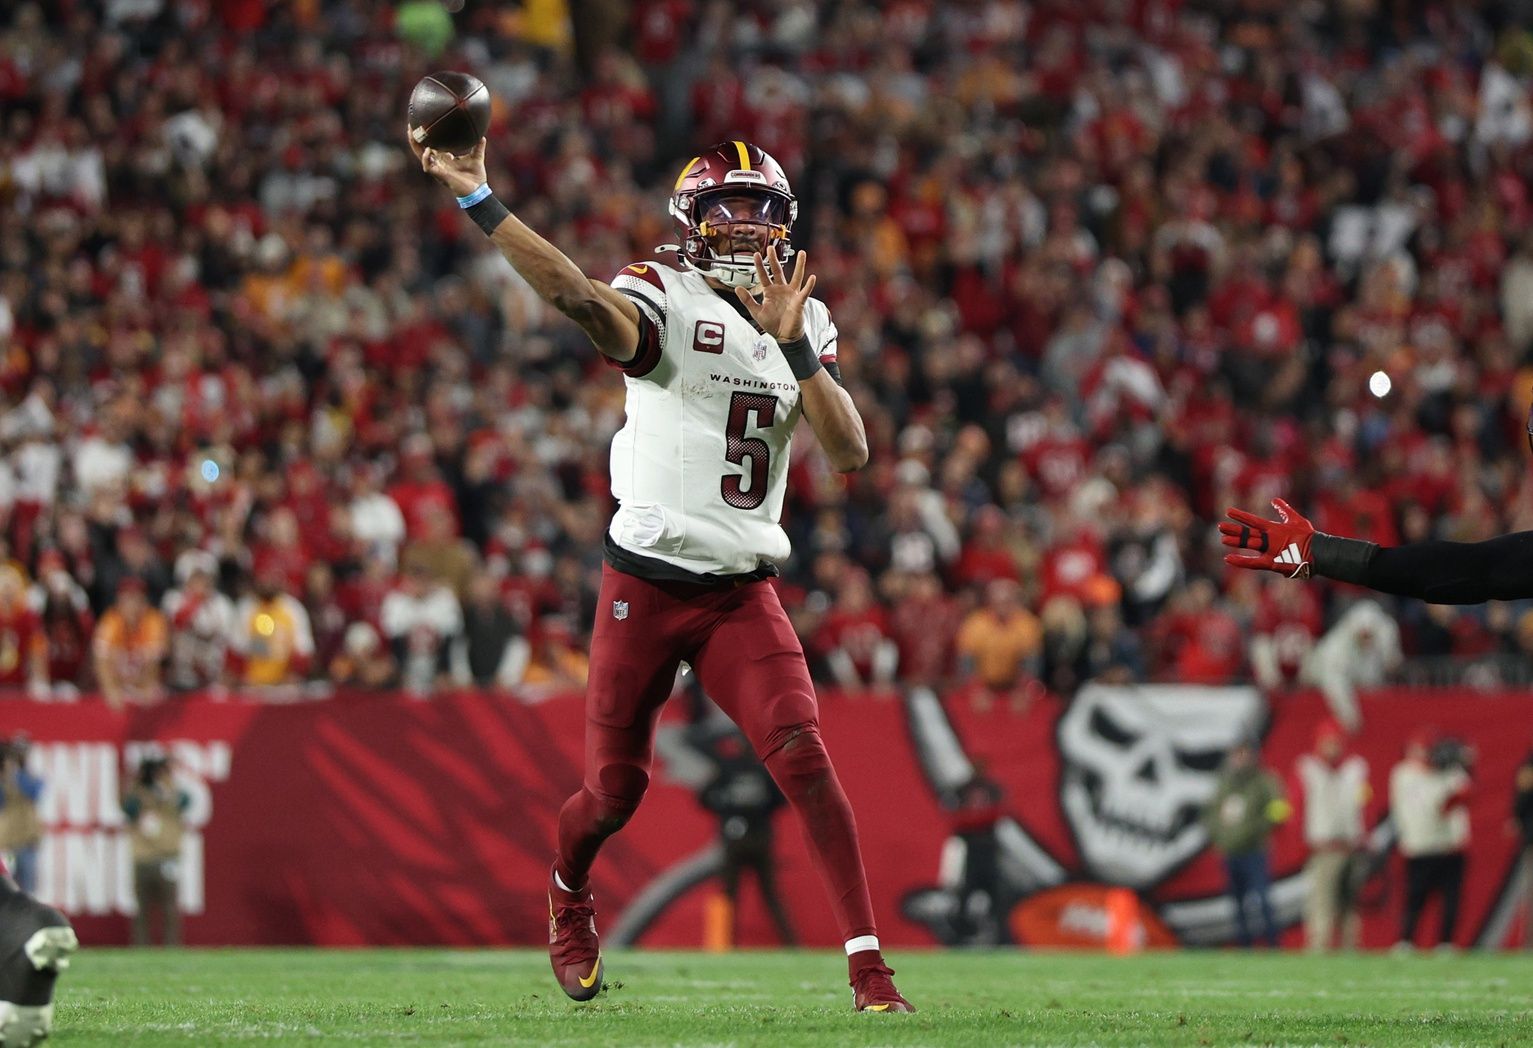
{"x": 1427, "y": 791}
{"x": 744, "y": 798}
{"x": 156, "y": 811}
{"x": 971, "y": 863}
{"x": 21, "y": 831}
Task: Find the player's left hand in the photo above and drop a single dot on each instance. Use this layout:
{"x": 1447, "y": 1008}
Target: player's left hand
{"x": 779, "y": 311}
{"x": 1276, "y": 545}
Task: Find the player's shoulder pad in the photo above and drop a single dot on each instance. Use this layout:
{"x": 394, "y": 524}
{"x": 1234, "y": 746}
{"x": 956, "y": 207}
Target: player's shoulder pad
{"x": 820, "y": 329}
{"x": 639, "y": 274}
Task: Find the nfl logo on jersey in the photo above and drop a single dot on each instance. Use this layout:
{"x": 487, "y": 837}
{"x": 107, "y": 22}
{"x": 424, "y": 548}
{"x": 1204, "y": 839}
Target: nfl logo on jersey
{"x": 620, "y": 609}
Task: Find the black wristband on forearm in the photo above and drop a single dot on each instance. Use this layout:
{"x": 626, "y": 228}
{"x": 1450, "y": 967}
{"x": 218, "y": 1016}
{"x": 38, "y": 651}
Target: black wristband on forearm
{"x": 801, "y": 358}
{"x": 488, "y": 213}
{"x": 1345, "y": 560}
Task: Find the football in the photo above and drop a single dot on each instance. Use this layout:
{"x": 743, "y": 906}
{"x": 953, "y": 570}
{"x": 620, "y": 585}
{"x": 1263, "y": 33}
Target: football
{"x": 449, "y": 111}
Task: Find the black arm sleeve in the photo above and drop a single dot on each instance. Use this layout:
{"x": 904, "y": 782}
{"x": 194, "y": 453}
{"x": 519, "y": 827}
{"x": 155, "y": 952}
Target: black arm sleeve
{"x": 1453, "y": 572}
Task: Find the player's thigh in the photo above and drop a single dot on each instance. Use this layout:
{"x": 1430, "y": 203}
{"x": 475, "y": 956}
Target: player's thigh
{"x": 752, "y": 665}
{"x": 632, "y": 670}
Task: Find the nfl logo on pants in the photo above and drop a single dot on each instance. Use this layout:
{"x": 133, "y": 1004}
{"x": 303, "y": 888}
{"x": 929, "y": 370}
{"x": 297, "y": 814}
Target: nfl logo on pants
{"x": 620, "y": 609}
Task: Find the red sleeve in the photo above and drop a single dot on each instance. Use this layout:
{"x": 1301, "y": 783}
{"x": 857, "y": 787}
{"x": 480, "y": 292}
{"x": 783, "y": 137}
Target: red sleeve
{"x": 648, "y": 354}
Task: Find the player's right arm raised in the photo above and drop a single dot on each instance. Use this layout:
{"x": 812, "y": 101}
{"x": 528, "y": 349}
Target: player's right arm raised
{"x": 610, "y": 319}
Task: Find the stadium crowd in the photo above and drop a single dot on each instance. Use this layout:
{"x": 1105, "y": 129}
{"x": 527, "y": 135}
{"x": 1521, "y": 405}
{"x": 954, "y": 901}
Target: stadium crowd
{"x": 275, "y": 413}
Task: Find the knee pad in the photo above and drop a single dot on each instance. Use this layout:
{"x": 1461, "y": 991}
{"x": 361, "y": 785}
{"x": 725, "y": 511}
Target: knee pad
{"x": 619, "y": 789}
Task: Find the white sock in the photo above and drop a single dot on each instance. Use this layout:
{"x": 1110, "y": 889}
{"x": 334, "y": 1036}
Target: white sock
{"x": 560, "y": 882}
{"x": 857, "y": 945}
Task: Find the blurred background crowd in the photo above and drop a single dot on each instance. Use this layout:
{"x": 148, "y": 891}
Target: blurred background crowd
{"x": 274, "y": 413}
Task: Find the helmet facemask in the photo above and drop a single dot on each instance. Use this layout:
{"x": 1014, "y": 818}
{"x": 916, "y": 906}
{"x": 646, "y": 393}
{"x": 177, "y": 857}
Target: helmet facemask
{"x": 729, "y": 226}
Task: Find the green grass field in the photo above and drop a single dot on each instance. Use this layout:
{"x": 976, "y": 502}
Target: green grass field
{"x": 784, "y": 1000}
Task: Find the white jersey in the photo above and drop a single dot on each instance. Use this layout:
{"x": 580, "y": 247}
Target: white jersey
{"x": 700, "y": 467}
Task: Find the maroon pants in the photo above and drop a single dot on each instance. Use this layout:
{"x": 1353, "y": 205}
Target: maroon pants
{"x": 748, "y": 659}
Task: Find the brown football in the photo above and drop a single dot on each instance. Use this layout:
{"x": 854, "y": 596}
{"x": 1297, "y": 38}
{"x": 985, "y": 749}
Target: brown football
{"x": 449, "y": 111}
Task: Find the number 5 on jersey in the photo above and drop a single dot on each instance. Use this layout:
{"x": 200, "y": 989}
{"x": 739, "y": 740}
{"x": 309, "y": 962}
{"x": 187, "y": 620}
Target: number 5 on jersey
{"x": 747, "y": 410}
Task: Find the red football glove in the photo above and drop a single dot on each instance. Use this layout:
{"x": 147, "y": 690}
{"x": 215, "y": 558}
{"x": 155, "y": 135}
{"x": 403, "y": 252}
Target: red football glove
{"x": 1281, "y": 545}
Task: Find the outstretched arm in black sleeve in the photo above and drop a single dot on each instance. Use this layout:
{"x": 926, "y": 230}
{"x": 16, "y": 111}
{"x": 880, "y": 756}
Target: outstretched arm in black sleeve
{"x": 1437, "y": 572}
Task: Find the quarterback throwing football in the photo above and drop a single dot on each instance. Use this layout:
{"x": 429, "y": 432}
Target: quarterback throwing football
{"x": 721, "y": 355}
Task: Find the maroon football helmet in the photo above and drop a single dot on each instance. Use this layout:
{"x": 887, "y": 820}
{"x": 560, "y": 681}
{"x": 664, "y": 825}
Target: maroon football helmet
{"x": 731, "y": 201}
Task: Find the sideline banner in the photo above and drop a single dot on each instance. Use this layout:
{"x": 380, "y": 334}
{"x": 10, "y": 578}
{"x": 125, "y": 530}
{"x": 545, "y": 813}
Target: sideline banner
{"x": 382, "y": 820}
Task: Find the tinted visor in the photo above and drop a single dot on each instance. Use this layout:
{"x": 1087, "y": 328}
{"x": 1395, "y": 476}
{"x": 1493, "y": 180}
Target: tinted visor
{"x": 732, "y": 206}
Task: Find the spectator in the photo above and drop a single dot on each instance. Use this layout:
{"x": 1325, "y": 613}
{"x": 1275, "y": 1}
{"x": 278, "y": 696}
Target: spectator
{"x": 156, "y": 810}
{"x": 1358, "y": 652}
{"x": 986, "y": 556}
{"x": 21, "y": 830}
{"x": 1427, "y": 794}
{"x": 1287, "y": 625}
{"x": 1112, "y": 653}
{"x": 439, "y": 553}
{"x": 103, "y": 459}
{"x": 64, "y": 611}
{"x": 999, "y": 646}
{"x": 201, "y": 621}
{"x": 134, "y": 557}
{"x": 422, "y": 621}
{"x": 558, "y": 662}
{"x": 282, "y": 553}
{"x": 922, "y": 537}
{"x": 272, "y": 643}
{"x": 857, "y": 637}
{"x": 364, "y": 661}
{"x": 1247, "y": 804}
{"x": 23, "y": 643}
{"x": 1144, "y": 555}
{"x": 1063, "y": 667}
{"x": 924, "y": 620}
{"x": 376, "y": 522}
{"x": 129, "y": 647}
{"x": 1203, "y": 639}
{"x": 420, "y": 487}
{"x": 492, "y": 651}
{"x": 1335, "y": 791}
{"x": 328, "y": 617}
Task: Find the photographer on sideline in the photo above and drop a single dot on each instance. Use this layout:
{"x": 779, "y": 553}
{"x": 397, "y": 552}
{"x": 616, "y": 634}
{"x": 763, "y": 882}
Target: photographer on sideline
{"x": 1427, "y": 791}
{"x": 21, "y": 831}
{"x": 1247, "y": 805}
{"x": 744, "y": 798}
{"x": 156, "y": 811}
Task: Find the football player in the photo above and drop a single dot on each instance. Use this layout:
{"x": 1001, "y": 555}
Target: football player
{"x": 36, "y": 943}
{"x": 721, "y": 354}
{"x": 1437, "y": 572}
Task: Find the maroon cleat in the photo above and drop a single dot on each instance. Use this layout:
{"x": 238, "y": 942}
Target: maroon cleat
{"x": 573, "y": 948}
{"x": 873, "y": 991}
